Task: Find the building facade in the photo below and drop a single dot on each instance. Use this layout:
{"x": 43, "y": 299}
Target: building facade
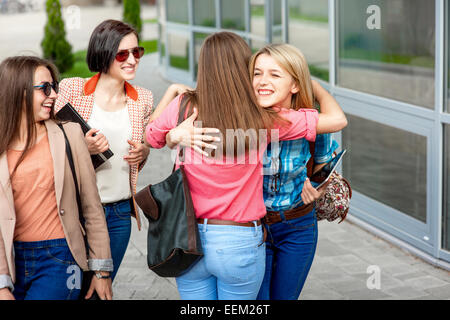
{"x": 387, "y": 64}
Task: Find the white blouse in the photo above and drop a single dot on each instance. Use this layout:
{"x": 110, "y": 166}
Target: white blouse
{"x": 113, "y": 176}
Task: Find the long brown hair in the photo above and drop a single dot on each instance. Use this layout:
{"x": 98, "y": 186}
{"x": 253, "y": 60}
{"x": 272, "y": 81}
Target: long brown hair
{"x": 294, "y": 62}
{"x": 224, "y": 94}
{"x": 16, "y": 98}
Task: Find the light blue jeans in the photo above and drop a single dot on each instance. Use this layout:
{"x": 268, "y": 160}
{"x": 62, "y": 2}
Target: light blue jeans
{"x": 232, "y": 267}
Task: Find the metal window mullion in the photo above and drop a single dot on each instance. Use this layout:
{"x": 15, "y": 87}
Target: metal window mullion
{"x": 436, "y": 187}
{"x": 332, "y": 18}
{"x": 191, "y": 40}
{"x": 247, "y": 15}
{"x": 269, "y": 20}
{"x": 285, "y": 20}
{"x": 218, "y": 7}
{"x": 332, "y": 27}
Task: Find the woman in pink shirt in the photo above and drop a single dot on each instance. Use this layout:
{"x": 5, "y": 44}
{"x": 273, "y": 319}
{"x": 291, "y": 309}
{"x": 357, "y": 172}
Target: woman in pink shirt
{"x": 226, "y": 180}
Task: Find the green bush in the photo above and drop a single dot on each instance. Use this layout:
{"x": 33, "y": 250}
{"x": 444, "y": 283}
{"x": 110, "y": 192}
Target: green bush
{"x": 54, "y": 45}
{"x": 132, "y": 14}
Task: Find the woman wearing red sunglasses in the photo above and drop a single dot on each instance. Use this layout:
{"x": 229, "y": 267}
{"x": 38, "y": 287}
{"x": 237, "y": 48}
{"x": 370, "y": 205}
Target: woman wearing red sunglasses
{"x": 118, "y": 113}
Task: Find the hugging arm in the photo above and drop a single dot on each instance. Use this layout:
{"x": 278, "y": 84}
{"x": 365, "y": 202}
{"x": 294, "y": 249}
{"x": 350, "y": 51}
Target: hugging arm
{"x": 163, "y": 128}
{"x": 331, "y": 117}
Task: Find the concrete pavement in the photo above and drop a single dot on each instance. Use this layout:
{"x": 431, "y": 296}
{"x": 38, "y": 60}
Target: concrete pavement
{"x": 347, "y": 262}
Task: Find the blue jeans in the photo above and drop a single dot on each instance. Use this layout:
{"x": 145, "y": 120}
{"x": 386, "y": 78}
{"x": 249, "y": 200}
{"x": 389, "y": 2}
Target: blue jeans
{"x": 232, "y": 267}
{"x": 118, "y": 219}
{"x": 46, "y": 270}
{"x": 290, "y": 249}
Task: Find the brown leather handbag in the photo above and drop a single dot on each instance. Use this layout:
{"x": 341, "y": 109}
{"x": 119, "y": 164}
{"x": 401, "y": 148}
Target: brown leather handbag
{"x": 173, "y": 241}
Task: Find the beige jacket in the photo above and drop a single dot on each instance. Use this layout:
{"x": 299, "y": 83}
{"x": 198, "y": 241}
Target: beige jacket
{"x": 99, "y": 257}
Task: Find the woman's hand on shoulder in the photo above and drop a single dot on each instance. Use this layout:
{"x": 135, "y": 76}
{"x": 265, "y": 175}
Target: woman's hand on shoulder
{"x": 179, "y": 88}
{"x": 172, "y": 91}
{"x": 187, "y": 135}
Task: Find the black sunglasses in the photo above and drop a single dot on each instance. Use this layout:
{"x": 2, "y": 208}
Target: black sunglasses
{"x": 47, "y": 87}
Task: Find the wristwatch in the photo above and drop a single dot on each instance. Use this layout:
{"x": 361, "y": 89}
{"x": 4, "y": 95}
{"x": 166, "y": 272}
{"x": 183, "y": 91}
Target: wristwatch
{"x": 100, "y": 276}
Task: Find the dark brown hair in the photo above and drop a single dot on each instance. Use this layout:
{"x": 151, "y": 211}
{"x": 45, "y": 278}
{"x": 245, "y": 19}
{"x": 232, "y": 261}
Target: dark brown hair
{"x": 16, "y": 98}
{"x": 104, "y": 43}
{"x": 224, "y": 95}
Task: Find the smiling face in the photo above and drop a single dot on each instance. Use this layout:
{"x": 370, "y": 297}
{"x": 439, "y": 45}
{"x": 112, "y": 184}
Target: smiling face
{"x": 272, "y": 84}
{"x": 42, "y": 105}
{"x": 125, "y": 70}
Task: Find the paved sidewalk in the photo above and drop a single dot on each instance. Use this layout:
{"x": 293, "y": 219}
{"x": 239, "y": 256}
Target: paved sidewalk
{"x": 345, "y": 264}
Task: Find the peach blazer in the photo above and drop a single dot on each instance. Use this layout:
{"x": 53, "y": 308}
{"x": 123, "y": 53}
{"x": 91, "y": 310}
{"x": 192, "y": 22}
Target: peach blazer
{"x": 100, "y": 252}
{"x": 80, "y": 93}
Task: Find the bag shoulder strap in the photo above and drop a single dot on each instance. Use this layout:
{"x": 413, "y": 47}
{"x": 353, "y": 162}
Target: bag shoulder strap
{"x": 183, "y": 105}
{"x": 310, "y": 164}
{"x": 74, "y": 175}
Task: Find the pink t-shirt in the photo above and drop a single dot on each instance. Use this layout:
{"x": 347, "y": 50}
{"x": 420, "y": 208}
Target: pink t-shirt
{"x": 224, "y": 189}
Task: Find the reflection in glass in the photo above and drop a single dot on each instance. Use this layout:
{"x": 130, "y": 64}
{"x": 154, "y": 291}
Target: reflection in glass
{"x": 276, "y": 13}
{"x": 162, "y": 43}
{"x": 389, "y": 51}
{"x": 205, "y": 13}
{"x": 387, "y": 164}
{"x": 233, "y": 14}
{"x": 446, "y": 207}
{"x": 308, "y": 31}
{"x": 255, "y": 45}
{"x": 161, "y": 10}
{"x": 177, "y": 11}
{"x": 198, "y": 42}
{"x": 257, "y": 18}
{"x": 178, "y": 45}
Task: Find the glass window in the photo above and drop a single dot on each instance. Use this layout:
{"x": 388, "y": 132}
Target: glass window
{"x": 255, "y": 45}
{"x": 198, "y": 42}
{"x": 178, "y": 45}
{"x": 162, "y": 42}
{"x": 233, "y": 14}
{"x": 276, "y": 13}
{"x": 205, "y": 13}
{"x": 446, "y": 209}
{"x": 161, "y": 6}
{"x": 177, "y": 11}
{"x": 448, "y": 56}
{"x": 387, "y": 164}
{"x": 308, "y": 31}
{"x": 387, "y": 48}
{"x": 257, "y": 18}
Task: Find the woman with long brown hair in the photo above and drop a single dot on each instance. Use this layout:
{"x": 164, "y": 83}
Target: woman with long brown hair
{"x": 226, "y": 187}
{"x": 42, "y": 246}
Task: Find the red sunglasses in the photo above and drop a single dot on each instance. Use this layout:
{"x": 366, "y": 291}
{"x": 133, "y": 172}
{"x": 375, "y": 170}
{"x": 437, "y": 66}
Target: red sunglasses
{"x": 123, "y": 55}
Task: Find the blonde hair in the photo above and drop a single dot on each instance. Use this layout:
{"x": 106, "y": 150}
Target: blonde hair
{"x": 294, "y": 62}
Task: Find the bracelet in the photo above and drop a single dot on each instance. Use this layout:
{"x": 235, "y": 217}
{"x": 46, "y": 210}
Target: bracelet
{"x": 100, "y": 276}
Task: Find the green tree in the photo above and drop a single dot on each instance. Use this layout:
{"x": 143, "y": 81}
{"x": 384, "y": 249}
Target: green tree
{"x": 132, "y": 14}
{"x": 54, "y": 45}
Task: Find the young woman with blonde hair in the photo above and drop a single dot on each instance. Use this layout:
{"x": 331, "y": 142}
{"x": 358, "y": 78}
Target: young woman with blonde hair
{"x": 226, "y": 190}
{"x": 288, "y": 193}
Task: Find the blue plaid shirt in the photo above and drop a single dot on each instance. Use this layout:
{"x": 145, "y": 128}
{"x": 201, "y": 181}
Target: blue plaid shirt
{"x": 294, "y": 156}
